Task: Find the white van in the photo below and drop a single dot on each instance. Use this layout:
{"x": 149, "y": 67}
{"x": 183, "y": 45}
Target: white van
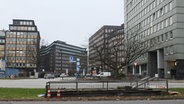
{"x": 104, "y": 74}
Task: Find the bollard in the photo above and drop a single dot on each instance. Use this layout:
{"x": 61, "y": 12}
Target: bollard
{"x": 58, "y": 93}
{"x": 48, "y": 93}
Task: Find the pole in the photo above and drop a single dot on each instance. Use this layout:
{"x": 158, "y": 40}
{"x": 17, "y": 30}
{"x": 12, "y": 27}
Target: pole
{"x": 77, "y": 86}
{"x": 167, "y": 86}
{"x": 107, "y": 85}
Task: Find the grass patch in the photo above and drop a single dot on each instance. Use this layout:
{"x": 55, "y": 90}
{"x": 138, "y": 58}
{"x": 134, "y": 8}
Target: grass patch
{"x": 180, "y": 90}
{"x": 20, "y": 93}
{"x": 31, "y": 94}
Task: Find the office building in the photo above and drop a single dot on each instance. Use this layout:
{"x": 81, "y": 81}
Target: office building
{"x": 60, "y": 57}
{"x": 160, "y": 24}
{"x": 116, "y": 45}
{"x": 100, "y": 40}
{"x": 22, "y": 46}
{"x": 2, "y": 44}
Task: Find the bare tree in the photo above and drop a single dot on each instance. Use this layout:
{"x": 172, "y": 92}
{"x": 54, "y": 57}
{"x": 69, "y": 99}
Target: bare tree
{"x": 121, "y": 54}
{"x": 110, "y": 56}
{"x": 44, "y": 42}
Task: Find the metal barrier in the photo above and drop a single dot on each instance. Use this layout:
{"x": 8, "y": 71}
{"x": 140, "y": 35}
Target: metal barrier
{"x": 84, "y": 85}
{"x": 104, "y": 86}
{"x": 150, "y": 82}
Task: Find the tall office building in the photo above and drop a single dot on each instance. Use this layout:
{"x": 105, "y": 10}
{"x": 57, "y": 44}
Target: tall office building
{"x": 2, "y": 44}
{"x": 115, "y": 45}
{"x": 101, "y": 39}
{"x": 160, "y": 23}
{"x": 22, "y": 46}
{"x": 60, "y": 57}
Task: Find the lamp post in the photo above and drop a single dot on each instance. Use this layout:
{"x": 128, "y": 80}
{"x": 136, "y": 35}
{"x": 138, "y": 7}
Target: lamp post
{"x": 135, "y": 64}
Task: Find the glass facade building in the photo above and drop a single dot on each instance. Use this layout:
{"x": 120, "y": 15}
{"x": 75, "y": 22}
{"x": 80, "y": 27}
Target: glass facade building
{"x": 2, "y": 44}
{"x": 22, "y": 46}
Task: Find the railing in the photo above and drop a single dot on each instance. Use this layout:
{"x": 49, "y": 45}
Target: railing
{"x": 85, "y": 85}
{"x": 150, "y": 82}
{"x": 82, "y": 85}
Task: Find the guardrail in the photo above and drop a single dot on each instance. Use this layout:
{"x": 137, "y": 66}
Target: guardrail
{"x": 84, "y": 85}
{"x": 78, "y": 85}
{"x": 100, "y": 87}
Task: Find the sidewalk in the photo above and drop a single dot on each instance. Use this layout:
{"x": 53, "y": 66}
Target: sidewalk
{"x": 175, "y": 81}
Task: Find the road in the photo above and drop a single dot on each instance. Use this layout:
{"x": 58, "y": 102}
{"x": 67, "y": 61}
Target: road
{"x": 40, "y": 83}
{"x": 99, "y": 102}
{"x": 27, "y": 83}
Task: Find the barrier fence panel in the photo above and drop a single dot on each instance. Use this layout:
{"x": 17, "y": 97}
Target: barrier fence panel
{"x": 82, "y": 85}
{"x": 102, "y": 85}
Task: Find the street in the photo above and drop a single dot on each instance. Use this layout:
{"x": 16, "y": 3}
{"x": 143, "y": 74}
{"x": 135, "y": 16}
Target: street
{"x": 98, "y": 102}
{"x": 40, "y": 83}
{"x": 27, "y": 83}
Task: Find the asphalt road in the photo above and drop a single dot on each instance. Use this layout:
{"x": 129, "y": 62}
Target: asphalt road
{"x": 99, "y": 102}
{"x": 40, "y": 83}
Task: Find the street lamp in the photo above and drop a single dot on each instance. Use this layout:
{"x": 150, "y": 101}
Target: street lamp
{"x": 135, "y": 64}
{"x": 175, "y": 63}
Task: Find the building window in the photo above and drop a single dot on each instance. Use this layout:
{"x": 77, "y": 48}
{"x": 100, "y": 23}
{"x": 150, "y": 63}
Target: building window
{"x": 166, "y": 22}
{"x": 170, "y": 6}
{"x": 166, "y": 36}
{"x": 162, "y": 37}
{"x": 171, "y": 34}
{"x": 158, "y": 2}
{"x": 161, "y": 11}
{"x": 162, "y": 24}
{"x": 170, "y": 20}
{"x": 158, "y": 39}
{"x": 166, "y": 8}
{"x": 172, "y": 50}
{"x": 158, "y": 14}
{"x": 167, "y": 51}
{"x": 154, "y": 16}
{"x": 158, "y": 26}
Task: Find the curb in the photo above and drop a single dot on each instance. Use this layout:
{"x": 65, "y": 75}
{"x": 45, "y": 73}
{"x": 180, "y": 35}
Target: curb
{"x": 103, "y": 98}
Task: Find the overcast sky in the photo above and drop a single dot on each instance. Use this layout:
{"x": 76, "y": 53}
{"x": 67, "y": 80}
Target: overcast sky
{"x": 71, "y": 21}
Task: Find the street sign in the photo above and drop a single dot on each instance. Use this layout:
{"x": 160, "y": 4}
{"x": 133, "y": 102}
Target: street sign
{"x": 77, "y": 64}
{"x": 71, "y": 59}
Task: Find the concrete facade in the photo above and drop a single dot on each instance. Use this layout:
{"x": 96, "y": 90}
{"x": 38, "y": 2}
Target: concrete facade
{"x": 101, "y": 41}
{"x": 161, "y": 23}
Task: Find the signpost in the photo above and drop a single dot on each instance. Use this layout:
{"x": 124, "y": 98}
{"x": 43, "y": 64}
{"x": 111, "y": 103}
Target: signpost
{"x": 71, "y": 58}
{"x": 77, "y": 62}
{"x": 77, "y": 67}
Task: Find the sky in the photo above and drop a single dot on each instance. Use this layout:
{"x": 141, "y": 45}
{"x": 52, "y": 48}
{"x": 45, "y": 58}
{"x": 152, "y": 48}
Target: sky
{"x": 71, "y": 21}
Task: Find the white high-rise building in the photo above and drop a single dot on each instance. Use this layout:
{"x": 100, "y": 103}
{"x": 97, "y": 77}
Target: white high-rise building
{"x": 161, "y": 23}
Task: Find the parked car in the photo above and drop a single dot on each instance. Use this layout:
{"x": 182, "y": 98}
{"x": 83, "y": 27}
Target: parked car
{"x": 104, "y": 74}
{"x": 63, "y": 75}
{"x": 49, "y": 76}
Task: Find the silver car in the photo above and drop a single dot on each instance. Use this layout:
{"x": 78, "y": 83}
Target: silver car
{"x": 49, "y": 76}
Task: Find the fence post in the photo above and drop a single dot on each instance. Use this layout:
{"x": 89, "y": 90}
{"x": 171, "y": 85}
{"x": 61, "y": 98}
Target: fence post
{"x": 167, "y": 86}
{"x": 76, "y": 86}
{"x": 107, "y": 85}
{"x": 103, "y": 85}
{"x": 46, "y": 88}
{"x": 137, "y": 84}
